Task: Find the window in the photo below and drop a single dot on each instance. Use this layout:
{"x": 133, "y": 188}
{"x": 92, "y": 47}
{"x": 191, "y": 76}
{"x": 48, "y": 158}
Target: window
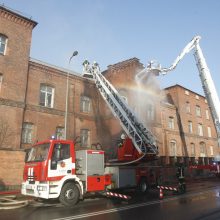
{"x": 197, "y": 97}
{"x": 211, "y": 151}
{"x": 198, "y": 110}
{"x": 46, "y": 96}
{"x": 3, "y": 42}
{"x": 27, "y": 132}
{"x": 188, "y": 109}
{"x": 171, "y": 122}
{"x": 150, "y": 112}
{"x": 1, "y": 80}
{"x": 207, "y": 114}
{"x": 200, "y": 130}
{"x": 202, "y": 149}
{"x": 173, "y": 148}
{"x": 60, "y": 133}
{"x": 61, "y": 151}
{"x": 190, "y": 127}
{"x": 193, "y": 150}
{"x": 209, "y": 132}
{"x": 85, "y": 104}
{"x": 85, "y": 137}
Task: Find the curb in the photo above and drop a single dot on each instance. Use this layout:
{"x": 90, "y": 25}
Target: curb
{"x": 15, "y": 192}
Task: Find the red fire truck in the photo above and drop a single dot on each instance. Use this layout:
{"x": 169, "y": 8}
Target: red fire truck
{"x": 54, "y": 169}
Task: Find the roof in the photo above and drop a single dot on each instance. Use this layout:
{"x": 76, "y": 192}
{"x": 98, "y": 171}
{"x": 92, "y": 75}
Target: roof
{"x": 54, "y": 67}
{"x": 177, "y": 85}
{"x": 18, "y": 14}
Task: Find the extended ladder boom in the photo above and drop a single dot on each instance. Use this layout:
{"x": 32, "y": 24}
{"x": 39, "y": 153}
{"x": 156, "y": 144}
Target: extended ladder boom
{"x": 142, "y": 138}
{"x": 205, "y": 76}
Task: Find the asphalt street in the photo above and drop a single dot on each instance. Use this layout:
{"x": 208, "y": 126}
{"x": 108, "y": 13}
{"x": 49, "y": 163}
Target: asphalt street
{"x": 201, "y": 202}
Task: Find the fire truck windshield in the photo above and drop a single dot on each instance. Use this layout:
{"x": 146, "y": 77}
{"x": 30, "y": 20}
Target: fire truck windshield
{"x": 37, "y": 153}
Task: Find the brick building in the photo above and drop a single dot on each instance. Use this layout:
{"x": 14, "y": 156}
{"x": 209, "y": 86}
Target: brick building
{"x": 32, "y": 103}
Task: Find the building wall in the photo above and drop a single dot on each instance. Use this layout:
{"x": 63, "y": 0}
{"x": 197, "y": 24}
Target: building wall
{"x": 20, "y": 101}
{"x": 180, "y": 97}
{"x": 14, "y": 69}
{"x": 11, "y": 169}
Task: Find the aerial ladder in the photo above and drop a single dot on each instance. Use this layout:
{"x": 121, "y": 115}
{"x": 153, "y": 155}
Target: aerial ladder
{"x": 142, "y": 138}
{"x": 204, "y": 73}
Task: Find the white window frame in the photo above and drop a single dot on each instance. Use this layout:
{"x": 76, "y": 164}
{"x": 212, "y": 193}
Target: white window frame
{"x": 48, "y": 92}
{"x": 60, "y": 133}
{"x": 198, "y": 111}
{"x": 1, "y": 81}
{"x": 200, "y": 130}
{"x": 188, "y": 108}
{"x": 209, "y": 131}
{"x": 193, "y": 149}
{"x": 190, "y": 127}
{"x": 202, "y": 148}
{"x": 211, "y": 151}
{"x": 3, "y": 44}
{"x": 27, "y": 133}
{"x": 85, "y": 104}
{"x": 171, "y": 122}
{"x": 173, "y": 148}
{"x": 85, "y": 137}
{"x": 207, "y": 114}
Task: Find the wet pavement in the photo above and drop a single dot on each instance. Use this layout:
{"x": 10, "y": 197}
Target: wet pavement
{"x": 201, "y": 202}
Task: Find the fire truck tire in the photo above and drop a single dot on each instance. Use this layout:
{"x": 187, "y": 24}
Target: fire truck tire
{"x": 143, "y": 186}
{"x": 69, "y": 195}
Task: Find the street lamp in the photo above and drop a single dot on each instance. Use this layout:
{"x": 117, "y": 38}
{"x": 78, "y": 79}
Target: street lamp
{"x": 67, "y": 95}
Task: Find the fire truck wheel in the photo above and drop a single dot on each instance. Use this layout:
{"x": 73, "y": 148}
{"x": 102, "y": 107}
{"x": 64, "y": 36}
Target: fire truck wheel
{"x": 69, "y": 195}
{"x": 143, "y": 186}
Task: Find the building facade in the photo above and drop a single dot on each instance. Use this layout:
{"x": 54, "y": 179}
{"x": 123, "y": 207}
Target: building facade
{"x": 32, "y": 103}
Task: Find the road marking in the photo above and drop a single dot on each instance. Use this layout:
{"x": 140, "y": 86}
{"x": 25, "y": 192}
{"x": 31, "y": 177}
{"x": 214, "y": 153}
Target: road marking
{"x": 91, "y": 214}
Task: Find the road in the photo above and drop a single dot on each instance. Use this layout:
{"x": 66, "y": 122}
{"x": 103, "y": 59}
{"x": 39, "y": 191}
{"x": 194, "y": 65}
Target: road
{"x": 201, "y": 202}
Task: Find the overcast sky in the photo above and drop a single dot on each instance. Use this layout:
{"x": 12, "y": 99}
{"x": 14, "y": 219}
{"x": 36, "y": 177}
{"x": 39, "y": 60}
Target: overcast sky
{"x": 110, "y": 31}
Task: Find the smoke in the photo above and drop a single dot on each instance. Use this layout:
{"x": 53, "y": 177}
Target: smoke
{"x": 147, "y": 96}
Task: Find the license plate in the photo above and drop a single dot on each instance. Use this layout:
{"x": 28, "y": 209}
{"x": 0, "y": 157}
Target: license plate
{"x": 29, "y": 187}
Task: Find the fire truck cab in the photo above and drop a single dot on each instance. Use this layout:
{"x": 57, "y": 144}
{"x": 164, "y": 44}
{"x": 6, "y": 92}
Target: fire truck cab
{"x": 53, "y": 169}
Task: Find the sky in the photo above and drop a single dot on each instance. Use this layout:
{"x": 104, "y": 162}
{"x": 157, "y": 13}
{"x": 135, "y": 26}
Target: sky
{"x": 111, "y": 31}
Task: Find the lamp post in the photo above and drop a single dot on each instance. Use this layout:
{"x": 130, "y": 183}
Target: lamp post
{"x": 67, "y": 95}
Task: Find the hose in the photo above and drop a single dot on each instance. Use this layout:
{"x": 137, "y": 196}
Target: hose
{"x": 9, "y": 202}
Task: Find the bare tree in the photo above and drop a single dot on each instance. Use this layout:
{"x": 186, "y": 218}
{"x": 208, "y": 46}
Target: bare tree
{"x": 6, "y": 132}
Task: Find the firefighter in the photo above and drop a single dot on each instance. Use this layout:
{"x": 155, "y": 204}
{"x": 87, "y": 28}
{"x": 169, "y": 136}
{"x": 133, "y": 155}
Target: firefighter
{"x": 121, "y": 141}
{"x": 181, "y": 178}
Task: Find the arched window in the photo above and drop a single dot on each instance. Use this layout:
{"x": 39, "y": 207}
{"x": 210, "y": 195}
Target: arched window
{"x": 3, "y": 43}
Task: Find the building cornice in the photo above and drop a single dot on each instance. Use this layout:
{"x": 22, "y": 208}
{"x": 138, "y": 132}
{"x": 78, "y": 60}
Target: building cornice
{"x": 124, "y": 64}
{"x": 11, "y": 103}
{"x": 59, "y": 71}
{"x": 16, "y": 17}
